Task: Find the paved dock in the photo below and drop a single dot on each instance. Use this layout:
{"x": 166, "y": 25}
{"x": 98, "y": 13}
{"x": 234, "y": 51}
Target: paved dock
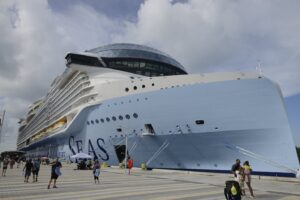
{"x": 155, "y": 185}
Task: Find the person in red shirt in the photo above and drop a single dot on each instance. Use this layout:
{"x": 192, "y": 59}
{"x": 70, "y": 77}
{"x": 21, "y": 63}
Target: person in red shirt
{"x": 129, "y": 164}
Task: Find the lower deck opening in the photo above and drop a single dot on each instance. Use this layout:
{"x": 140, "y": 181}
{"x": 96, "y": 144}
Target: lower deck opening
{"x": 120, "y": 151}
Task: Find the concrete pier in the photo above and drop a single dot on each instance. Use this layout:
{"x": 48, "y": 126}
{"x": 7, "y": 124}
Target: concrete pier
{"x": 156, "y": 184}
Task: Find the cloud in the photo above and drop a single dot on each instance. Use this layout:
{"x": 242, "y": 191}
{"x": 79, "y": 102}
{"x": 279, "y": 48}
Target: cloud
{"x": 34, "y": 40}
{"x": 204, "y": 35}
{"x": 212, "y": 36}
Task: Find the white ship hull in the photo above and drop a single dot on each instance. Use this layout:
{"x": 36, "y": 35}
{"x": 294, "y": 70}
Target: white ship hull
{"x": 243, "y": 119}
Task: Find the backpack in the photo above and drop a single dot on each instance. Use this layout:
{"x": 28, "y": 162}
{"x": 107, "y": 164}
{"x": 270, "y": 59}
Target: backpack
{"x": 232, "y": 191}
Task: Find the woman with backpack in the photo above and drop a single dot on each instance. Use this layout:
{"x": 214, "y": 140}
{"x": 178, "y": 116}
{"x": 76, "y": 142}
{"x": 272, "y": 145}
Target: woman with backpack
{"x": 36, "y": 169}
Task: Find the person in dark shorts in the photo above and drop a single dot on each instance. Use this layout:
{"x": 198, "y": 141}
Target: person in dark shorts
{"x": 35, "y": 169}
{"x": 27, "y": 168}
{"x": 55, "y": 172}
{"x": 4, "y": 168}
{"x": 96, "y": 171}
{"x": 235, "y": 169}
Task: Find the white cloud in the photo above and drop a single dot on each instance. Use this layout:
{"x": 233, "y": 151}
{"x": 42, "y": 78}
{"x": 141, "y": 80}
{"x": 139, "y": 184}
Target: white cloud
{"x": 204, "y": 35}
{"x": 209, "y": 36}
{"x": 34, "y": 40}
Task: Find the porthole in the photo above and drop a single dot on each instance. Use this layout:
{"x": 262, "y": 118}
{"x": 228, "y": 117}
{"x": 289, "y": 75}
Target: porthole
{"x": 137, "y": 99}
{"x": 135, "y": 115}
{"x": 143, "y": 86}
{"x": 92, "y": 122}
{"x": 119, "y": 129}
{"x": 88, "y": 123}
{"x": 126, "y": 89}
{"x": 199, "y": 122}
{"x": 102, "y": 120}
{"x": 152, "y": 84}
{"x": 114, "y": 118}
{"x": 120, "y": 117}
{"x": 107, "y": 119}
{"x": 134, "y": 87}
{"x": 97, "y": 121}
{"x": 127, "y": 116}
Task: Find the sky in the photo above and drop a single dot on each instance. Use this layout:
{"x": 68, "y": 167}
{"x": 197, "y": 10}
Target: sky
{"x": 203, "y": 35}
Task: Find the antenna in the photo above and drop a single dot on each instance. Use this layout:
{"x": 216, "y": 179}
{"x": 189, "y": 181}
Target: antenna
{"x": 258, "y": 68}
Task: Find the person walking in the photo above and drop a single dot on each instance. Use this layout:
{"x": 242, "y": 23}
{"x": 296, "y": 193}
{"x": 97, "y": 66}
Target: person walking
{"x": 4, "y": 168}
{"x": 235, "y": 169}
{"x": 129, "y": 164}
{"x": 247, "y": 172}
{"x": 36, "y": 169}
{"x": 12, "y": 163}
{"x": 96, "y": 171}
{"x": 27, "y": 168}
{"x": 55, "y": 173}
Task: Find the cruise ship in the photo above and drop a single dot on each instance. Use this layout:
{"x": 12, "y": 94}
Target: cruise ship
{"x": 131, "y": 99}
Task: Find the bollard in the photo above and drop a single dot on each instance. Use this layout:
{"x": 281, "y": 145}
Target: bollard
{"x": 104, "y": 165}
{"x": 143, "y": 166}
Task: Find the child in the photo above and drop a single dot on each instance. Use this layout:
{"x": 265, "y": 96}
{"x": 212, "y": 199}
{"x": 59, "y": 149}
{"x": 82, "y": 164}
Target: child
{"x": 242, "y": 181}
{"x": 96, "y": 171}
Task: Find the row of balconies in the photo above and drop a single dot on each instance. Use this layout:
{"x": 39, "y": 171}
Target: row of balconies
{"x": 63, "y": 110}
{"x": 32, "y": 124}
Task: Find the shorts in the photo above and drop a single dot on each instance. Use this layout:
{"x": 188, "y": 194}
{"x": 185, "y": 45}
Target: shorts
{"x": 4, "y": 167}
{"x": 54, "y": 176}
{"x": 96, "y": 178}
{"x": 27, "y": 173}
{"x": 35, "y": 172}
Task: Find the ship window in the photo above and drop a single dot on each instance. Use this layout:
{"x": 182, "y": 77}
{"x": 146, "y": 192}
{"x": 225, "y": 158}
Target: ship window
{"x": 92, "y": 122}
{"x": 149, "y": 128}
{"x": 114, "y": 118}
{"x": 102, "y": 120}
{"x": 134, "y": 87}
{"x": 127, "y": 116}
{"x": 142, "y": 64}
{"x": 199, "y": 122}
{"x": 126, "y": 89}
{"x": 107, "y": 119}
{"x": 143, "y": 86}
{"x": 97, "y": 121}
{"x": 88, "y": 123}
{"x": 135, "y": 115}
{"x": 120, "y": 117}
{"x": 152, "y": 84}
{"x": 119, "y": 129}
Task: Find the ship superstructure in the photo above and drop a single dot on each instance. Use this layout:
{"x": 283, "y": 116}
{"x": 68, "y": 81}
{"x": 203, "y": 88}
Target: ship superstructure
{"x": 170, "y": 119}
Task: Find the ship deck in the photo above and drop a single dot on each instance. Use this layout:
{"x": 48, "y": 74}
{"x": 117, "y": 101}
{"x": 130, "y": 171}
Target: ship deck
{"x": 155, "y": 184}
